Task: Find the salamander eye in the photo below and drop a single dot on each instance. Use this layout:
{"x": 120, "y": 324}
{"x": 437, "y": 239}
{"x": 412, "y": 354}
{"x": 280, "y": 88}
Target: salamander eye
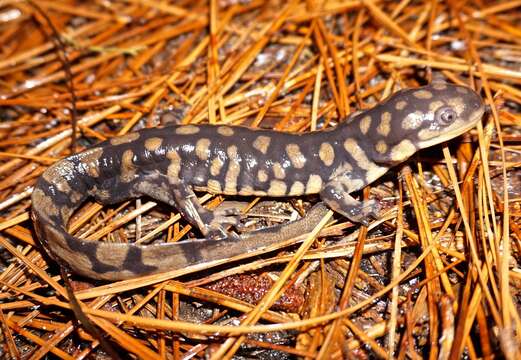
{"x": 445, "y": 115}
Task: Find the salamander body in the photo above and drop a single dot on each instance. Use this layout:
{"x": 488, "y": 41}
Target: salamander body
{"x": 169, "y": 164}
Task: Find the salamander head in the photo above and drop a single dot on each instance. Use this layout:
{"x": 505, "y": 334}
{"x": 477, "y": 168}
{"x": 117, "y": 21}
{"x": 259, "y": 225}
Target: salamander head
{"x": 414, "y": 119}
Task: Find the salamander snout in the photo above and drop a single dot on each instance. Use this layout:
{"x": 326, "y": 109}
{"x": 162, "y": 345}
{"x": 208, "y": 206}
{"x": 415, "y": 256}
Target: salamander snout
{"x": 452, "y": 111}
{"x": 417, "y": 118}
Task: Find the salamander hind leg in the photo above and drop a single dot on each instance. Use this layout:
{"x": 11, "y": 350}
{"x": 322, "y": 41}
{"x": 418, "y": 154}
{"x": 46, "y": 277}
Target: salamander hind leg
{"x": 336, "y": 195}
{"x": 211, "y": 223}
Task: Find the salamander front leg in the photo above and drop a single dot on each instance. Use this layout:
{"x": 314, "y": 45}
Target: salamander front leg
{"x": 339, "y": 200}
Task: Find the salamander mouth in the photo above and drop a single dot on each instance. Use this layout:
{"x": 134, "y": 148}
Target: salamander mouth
{"x": 471, "y": 123}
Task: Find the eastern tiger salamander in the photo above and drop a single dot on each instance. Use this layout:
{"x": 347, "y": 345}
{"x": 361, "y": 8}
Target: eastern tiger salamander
{"x": 169, "y": 164}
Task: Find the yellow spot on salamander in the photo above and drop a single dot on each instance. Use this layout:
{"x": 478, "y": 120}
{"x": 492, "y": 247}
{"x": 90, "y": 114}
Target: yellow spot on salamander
{"x": 365, "y": 124}
{"x": 439, "y": 85}
{"x": 174, "y": 167}
{"x": 326, "y": 153}
{"x": 457, "y": 104}
{"x": 277, "y": 188}
{"x": 262, "y": 143}
{"x": 422, "y": 94}
{"x": 402, "y": 151}
{"x": 90, "y": 160}
{"x": 295, "y": 156}
{"x": 216, "y": 166}
{"x": 58, "y": 173}
{"x": 152, "y": 144}
{"x": 262, "y": 176}
{"x": 435, "y": 105}
{"x": 44, "y": 202}
{"x": 128, "y": 169}
{"x": 202, "y": 148}
{"x": 225, "y": 130}
{"x": 246, "y": 190}
{"x": 384, "y": 128}
{"x": 124, "y": 138}
{"x": 278, "y": 171}
{"x": 296, "y": 189}
{"x": 381, "y": 147}
{"x": 234, "y": 168}
{"x": 187, "y": 130}
{"x": 400, "y": 105}
{"x": 359, "y": 155}
{"x": 314, "y": 184}
{"x": 214, "y": 186}
{"x": 412, "y": 120}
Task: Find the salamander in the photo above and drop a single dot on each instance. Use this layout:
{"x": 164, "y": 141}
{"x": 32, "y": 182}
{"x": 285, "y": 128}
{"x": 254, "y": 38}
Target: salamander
{"x": 169, "y": 164}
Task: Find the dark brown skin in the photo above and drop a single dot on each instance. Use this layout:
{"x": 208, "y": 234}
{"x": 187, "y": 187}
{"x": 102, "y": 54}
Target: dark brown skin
{"x": 169, "y": 164}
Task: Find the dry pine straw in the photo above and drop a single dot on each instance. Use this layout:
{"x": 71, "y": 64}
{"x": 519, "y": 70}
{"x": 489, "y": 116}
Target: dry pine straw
{"x": 438, "y": 275}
